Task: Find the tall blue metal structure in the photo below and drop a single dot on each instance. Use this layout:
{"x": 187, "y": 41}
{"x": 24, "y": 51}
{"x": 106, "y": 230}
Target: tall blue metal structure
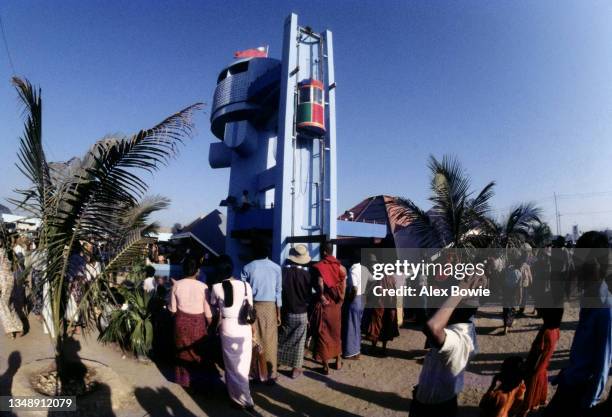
{"x": 277, "y": 124}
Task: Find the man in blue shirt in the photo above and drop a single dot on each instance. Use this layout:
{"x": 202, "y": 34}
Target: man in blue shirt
{"x": 582, "y": 383}
{"x": 266, "y": 280}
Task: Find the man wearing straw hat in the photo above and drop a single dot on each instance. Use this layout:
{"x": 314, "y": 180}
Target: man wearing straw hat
{"x": 297, "y": 292}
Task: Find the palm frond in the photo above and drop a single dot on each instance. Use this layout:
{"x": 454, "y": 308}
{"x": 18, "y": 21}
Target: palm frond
{"x": 421, "y": 221}
{"x": 518, "y": 226}
{"x": 131, "y": 250}
{"x": 31, "y": 155}
{"x": 97, "y": 198}
{"x": 459, "y": 214}
{"x": 480, "y": 205}
{"x": 87, "y": 203}
{"x": 542, "y": 235}
{"x": 138, "y": 215}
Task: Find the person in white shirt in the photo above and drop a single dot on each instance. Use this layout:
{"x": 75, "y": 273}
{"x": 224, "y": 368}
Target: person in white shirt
{"x": 149, "y": 284}
{"x": 452, "y": 336}
{"x": 353, "y": 311}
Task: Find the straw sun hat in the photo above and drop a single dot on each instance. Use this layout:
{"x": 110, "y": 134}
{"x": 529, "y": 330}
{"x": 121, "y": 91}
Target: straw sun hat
{"x": 299, "y": 254}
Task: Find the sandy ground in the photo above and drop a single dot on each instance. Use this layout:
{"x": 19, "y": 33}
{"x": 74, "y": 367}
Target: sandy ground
{"x": 372, "y": 386}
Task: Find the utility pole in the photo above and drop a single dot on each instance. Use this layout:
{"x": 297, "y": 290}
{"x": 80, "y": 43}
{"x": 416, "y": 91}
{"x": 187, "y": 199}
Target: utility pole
{"x": 557, "y": 215}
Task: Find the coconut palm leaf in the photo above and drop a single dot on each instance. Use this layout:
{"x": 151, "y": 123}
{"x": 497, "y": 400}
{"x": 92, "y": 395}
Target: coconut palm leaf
{"x": 542, "y": 235}
{"x": 130, "y": 250}
{"x": 422, "y": 223}
{"x": 92, "y": 199}
{"x": 138, "y": 215}
{"x": 518, "y": 226}
{"x": 455, "y": 219}
{"x": 31, "y": 155}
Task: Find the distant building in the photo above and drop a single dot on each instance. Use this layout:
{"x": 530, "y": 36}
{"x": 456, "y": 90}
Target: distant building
{"x": 205, "y": 234}
{"x": 21, "y": 223}
{"x": 575, "y": 233}
{"x": 378, "y": 210}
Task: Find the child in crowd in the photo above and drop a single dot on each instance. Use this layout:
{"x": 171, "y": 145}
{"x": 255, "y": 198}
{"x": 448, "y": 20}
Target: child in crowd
{"x": 452, "y": 337}
{"x": 504, "y": 398}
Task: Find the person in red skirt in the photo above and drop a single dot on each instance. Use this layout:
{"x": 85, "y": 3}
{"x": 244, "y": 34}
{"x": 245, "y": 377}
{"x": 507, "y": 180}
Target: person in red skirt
{"x": 192, "y": 316}
{"x": 538, "y": 360}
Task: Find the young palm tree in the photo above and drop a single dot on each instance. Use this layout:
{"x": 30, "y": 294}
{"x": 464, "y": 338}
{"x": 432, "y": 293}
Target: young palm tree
{"x": 98, "y": 198}
{"x": 517, "y": 228}
{"x": 457, "y": 217}
{"x": 542, "y": 235}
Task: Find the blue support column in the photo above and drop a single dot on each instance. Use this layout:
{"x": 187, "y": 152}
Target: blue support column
{"x": 285, "y": 182}
{"x": 331, "y": 188}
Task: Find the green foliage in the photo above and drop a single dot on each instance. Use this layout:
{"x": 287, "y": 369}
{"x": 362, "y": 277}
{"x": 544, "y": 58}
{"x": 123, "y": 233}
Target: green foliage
{"x": 131, "y": 327}
{"x": 98, "y": 198}
{"x": 457, "y": 218}
{"x": 542, "y": 235}
{"x": 517, "y": 228}
{"x": 461, "y": 218}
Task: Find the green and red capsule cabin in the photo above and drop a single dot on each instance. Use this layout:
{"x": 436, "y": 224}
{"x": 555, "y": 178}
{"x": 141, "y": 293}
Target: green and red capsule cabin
{"x": 310, "y": 116}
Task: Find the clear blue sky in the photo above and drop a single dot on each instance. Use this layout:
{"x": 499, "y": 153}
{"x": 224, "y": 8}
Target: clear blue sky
{"x": 521, "y": 92}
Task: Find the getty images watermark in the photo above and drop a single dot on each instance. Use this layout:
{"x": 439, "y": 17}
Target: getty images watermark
{"x": 425, "y": 278}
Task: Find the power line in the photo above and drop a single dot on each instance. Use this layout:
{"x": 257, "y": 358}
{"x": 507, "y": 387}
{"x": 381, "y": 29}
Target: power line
{"x": 589, "y": 194}
{"x": 580, "y": 213}
{"x": 6, "y": 47}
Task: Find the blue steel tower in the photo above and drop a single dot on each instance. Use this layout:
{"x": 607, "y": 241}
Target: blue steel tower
{"x": 277, "y": 124}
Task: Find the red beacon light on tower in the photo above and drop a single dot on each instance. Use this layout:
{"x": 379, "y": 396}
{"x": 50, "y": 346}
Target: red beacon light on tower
{"x": 310, "y": 115}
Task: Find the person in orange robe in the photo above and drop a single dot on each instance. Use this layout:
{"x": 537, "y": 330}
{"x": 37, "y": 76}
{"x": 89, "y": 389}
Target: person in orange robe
{"x": 538, "y": 360}
{"x": 505, "y": 396}
{"x": 326, "y": 318}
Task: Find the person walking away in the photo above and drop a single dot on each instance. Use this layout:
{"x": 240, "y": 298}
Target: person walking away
{"x": 8, "y": 315}
{"x": 541, "y": 278}
{"x": 76, "y": 288}
{"x": 297, "y": 293}
{"x": 326, "y": 318}
{"x": 452, "y": 338}
{"x": 227, "y": 299}
{"x": 265, "y": 279}
{"x": 525, "y": 283}
{"x": 536, "y": 366}
{"x": 149, "y": 284}
{"x": 353, "y": 310}
{"x": 512, "y": 280}
{"x": 380, "y": 323}
{"x": 506, "y": 394}
{"x": 582, "y": 382}
{"x": 192, "y": 316}
{"x": 93, "y": 269}
{"x": 36, "y": 266}
{"x": 559, "y": 272}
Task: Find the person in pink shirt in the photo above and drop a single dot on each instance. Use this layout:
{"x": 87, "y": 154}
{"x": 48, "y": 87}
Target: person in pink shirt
{"x": 188, "y": 302}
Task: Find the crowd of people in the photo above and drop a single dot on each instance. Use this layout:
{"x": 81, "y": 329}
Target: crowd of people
{"x": 23, "y": 289}
{"x": 268, "y": 316}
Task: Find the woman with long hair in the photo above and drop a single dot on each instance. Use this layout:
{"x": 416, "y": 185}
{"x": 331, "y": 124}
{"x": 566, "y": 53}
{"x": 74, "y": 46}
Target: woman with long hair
{"x": 229, "y": 298}
{"x": 192, "y": 314}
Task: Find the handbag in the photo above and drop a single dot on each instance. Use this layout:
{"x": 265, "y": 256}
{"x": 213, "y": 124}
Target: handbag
{"x": 247, "y": 313}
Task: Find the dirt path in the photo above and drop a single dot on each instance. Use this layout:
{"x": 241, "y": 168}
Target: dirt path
{"x": 372, "y": 386}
